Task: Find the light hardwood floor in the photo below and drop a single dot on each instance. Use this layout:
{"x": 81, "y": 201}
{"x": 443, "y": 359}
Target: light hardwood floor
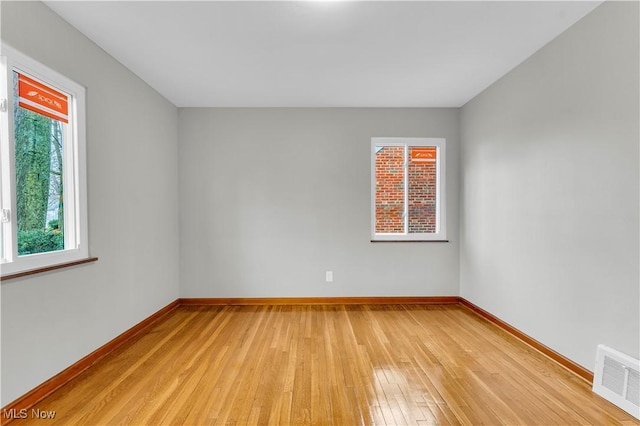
{"x": 327, "y": 364}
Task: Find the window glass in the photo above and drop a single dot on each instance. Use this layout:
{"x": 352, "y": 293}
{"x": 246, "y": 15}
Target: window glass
{"x": 422, "y": 181}
{"x": 39, "y": 151}
{"x": 390, "y": 184}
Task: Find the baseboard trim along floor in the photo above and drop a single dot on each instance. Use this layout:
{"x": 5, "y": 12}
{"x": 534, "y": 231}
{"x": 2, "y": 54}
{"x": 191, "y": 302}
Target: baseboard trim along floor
{"x": 31, "y": 398}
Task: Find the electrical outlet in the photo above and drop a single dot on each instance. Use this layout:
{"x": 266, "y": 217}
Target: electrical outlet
{"x": 329, "y": 276}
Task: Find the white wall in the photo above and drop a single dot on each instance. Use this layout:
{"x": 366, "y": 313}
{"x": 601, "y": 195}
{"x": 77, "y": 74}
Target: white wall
{"x": 549, "y": 190}
{"x": 272, "y": 198}
{"x": 52, "y": 320}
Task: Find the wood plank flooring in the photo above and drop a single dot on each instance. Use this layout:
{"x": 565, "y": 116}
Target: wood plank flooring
{"x": 326, "y": 364}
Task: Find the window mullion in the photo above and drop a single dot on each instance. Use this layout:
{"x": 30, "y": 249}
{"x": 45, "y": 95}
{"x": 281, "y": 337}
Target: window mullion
{"x": 406, "y": 189}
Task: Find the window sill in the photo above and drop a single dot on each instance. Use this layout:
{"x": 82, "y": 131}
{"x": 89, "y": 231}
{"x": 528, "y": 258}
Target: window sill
{"x": 48, "y": 268}
{"x": 409, "y": 241}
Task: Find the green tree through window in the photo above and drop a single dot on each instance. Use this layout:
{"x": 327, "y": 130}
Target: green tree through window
{"x": 39, "y": 180}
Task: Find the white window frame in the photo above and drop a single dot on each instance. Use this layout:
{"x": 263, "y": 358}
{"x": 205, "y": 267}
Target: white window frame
{"x": 74, "y": 168}
{"x": 441, "y": 212}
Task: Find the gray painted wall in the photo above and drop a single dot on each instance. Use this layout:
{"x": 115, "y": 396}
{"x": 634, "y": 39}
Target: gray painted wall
{"x": 52, "y": 320}
{"x": 272, "y": 198}
{"x": 549, "y": 190}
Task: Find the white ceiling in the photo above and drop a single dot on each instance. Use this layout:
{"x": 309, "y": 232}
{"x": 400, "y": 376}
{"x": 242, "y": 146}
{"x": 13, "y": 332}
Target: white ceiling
{"x": 306, "y": 53}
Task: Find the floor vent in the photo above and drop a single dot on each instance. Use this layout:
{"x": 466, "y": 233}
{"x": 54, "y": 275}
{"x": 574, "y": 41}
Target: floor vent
{"x": 617, "y": 379}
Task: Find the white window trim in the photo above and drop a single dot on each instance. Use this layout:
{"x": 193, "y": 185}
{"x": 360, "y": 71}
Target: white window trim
{"x": 76, "y": 235}
{"x": 441, "y": 212}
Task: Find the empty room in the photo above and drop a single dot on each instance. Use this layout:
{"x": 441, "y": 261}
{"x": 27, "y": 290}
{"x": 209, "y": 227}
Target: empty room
{"x": 320, "y": 212}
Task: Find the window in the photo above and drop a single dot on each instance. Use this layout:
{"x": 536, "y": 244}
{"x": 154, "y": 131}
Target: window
{"x": 42, "y": 166}
{"x": 408, "y": 189}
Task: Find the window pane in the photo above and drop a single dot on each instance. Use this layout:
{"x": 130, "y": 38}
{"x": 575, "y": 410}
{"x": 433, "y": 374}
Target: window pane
{"x": 389, "y": 189}
{"x": 422, "y": 189}
{"x": 39, "y": 193}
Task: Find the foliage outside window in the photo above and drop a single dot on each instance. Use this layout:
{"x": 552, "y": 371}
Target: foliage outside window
{"x": 39, "y": 185}
{"x": 43, "y": 188}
